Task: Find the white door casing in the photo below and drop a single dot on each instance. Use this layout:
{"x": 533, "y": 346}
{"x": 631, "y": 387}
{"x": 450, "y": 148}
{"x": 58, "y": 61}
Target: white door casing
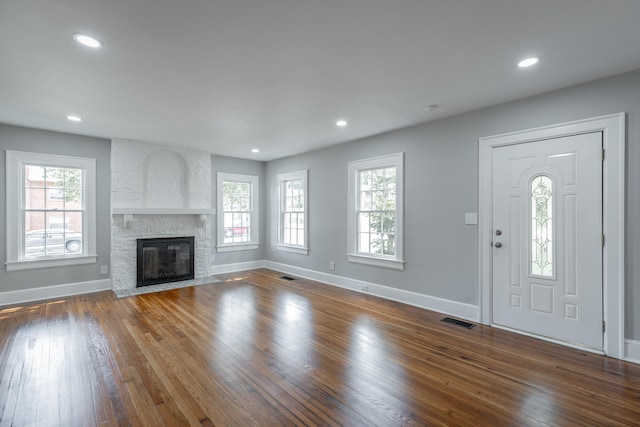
{"x": 547, "y": 256}
{"x": 613, "y": 129}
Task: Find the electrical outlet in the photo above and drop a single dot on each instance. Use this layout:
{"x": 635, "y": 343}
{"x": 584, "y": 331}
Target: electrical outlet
{"x": 332, "y": 265}
{"x": 104, "y": 269}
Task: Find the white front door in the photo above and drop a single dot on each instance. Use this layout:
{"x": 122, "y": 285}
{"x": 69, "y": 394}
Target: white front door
{"x": 547, "y": 238}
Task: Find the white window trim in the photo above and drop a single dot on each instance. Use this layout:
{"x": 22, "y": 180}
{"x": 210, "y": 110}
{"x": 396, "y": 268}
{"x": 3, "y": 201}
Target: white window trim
{"x": 393, "y": 262}
{"x": 15, "y": 162}
{"x": 255, "y": 213}
{"x": 282, "y": 178}
{"x": 293, "y": 249}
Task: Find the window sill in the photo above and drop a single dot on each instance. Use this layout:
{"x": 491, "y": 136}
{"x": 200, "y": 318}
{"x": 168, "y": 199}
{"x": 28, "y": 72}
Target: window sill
{"x": 377, "y": 262}
{"x": 293, "y": 249}
{"x": 50, "y": 262}
{"x": 238, "y": 247}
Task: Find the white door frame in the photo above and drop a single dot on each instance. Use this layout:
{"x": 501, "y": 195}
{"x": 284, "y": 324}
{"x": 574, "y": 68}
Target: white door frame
{"x": 613, "y": 128}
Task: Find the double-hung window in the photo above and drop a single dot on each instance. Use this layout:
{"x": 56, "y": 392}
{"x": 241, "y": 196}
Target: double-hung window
{"x": 376, "y": 211}
{"x": 292, "y": 212}
{"x": 237, "y": 212}
{"x": 51, "y": 208}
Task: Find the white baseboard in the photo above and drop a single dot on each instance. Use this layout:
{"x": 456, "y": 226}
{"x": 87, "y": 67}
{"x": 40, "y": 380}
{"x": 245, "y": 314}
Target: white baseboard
{"x": 632, "y": 351}
{"x": 238, "y": 266}
{"x": 57, "y": 291}
{"x": 453, "y": 308}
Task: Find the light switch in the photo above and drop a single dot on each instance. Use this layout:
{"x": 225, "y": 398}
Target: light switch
{"x": 471, "y": 218}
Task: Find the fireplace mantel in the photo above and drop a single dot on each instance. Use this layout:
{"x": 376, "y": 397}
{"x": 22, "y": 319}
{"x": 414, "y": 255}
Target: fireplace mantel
{"x": 130, "y": 212}
{"x": 162, "y": 211}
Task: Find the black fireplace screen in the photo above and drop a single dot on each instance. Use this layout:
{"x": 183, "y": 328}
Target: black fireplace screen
{"x": 165, "y": 260}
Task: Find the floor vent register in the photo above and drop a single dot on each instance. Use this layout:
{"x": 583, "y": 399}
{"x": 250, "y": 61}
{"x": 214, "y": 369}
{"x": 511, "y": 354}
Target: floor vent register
{"x": 458, "y": 322}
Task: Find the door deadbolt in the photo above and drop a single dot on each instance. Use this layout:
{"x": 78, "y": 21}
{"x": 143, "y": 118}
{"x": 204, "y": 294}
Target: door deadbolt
{"x": 498, "y": 232}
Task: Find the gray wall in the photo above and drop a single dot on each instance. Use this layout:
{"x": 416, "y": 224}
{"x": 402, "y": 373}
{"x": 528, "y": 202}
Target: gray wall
{"x": 247, "y": 167}
{"x": 441, "y": 184}
{"x": 25, "y": 139}
{"x": 441, "y": 170}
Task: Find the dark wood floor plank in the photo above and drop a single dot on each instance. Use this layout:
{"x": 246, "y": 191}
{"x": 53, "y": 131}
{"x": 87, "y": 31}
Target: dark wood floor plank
{"x": 257, "y": 350}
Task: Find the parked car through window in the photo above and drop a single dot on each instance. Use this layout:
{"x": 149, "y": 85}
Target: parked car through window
{"x": 52, "y": 242}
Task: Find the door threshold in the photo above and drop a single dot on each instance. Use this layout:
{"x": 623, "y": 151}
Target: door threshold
{"x": 551, "y": 340}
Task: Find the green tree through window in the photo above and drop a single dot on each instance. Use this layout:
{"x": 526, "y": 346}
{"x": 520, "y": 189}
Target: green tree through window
{"x": 377, "y": 211}
{"x": 67, "y": 180}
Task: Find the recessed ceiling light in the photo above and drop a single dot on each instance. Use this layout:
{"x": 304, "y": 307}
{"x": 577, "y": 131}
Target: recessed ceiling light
{"x": 255, "y": 150}
{"x": 86, "y": 40}
{"x": 74, "y": 118}
{"x": 341, "y": 123}
{"x": 431, "y": 107}
{"x": 528, "y": 62}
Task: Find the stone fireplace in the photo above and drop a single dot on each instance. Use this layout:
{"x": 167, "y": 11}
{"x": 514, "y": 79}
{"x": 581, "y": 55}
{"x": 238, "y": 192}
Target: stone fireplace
{"x": 158, "y": 192}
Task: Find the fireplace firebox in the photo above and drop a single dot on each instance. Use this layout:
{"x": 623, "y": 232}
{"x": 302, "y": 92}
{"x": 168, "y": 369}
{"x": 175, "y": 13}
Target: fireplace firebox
{"x": 165, "y": 260}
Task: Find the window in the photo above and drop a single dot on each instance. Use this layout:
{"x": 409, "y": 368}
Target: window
{"x": 292, "y": 212}
{"x": 542, "y": 226}
{"x": 51, "y": 210}
{"x": 376, "y": 211}
{"x": 237, "y": 212}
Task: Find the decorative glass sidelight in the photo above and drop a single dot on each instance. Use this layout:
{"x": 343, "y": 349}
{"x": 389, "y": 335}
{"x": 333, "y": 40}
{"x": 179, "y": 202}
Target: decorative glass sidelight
{"x": 542, "y": 226}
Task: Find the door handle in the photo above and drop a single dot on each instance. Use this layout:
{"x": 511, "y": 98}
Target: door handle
{"x": 498, "y": 245}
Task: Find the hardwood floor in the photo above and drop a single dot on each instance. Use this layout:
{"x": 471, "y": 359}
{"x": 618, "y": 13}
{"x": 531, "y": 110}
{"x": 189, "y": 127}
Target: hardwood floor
{"x": 259, "y": 350}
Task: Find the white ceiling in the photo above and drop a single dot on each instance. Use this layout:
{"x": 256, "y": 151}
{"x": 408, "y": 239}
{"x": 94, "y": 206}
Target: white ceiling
{"x": 226, "y": 76}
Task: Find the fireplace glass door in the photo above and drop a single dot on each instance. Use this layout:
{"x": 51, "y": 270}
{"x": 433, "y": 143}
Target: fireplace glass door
{"x": 165, "y": 260}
